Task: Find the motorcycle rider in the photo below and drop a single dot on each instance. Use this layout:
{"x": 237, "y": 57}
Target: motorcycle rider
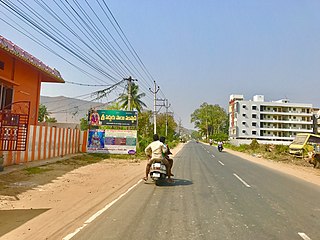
{"x": 220, "y": 145}
{"x": 155, "y": 151}
{"x": 167, "y": 153}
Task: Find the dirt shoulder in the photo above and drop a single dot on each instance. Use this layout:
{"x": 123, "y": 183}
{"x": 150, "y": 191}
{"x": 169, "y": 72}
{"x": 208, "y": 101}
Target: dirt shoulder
{"x": 307, "y": 173}
{"x": 53, "y": 203}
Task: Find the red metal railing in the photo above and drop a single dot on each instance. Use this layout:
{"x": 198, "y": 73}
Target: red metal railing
{"x": 14, "y": 123}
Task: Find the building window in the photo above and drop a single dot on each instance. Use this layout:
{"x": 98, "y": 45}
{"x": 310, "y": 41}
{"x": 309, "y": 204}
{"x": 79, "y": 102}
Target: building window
{"x": 1, "y": 65}
{"x": 244, "y": 106}
{"x": 254, "y": 124}
{"x": 254, "y": 107}
{"x": 243, "y": 131}
{"x": 254, "y": 115}
{"x": 6, "y": 97}
{"x": 244, "y": 115}
{"x": 243, "y": 123}
{"x": 254, "y": 132}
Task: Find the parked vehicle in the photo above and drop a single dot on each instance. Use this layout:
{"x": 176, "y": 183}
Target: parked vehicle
{"x": 304, "y": 143}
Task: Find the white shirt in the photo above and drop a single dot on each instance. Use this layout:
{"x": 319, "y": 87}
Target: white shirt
{"x": 155, "y": 149}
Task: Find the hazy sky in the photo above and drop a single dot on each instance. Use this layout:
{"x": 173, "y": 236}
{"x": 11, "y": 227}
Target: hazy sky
{"x": 202, "y": 50}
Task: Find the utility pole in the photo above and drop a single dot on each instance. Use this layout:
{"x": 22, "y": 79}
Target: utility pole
{"x": 155, "y": 91}
{"x": 167, "y": 108}
{"x": 129, "y": 79}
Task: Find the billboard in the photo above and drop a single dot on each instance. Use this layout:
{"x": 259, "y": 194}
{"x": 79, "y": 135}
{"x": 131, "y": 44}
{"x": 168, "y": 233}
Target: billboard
{"x": 113, "y": 141}
{"x": 113, "y": 118}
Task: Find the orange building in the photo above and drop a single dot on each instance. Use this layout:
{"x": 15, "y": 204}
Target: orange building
{"x": 21, "y": 75}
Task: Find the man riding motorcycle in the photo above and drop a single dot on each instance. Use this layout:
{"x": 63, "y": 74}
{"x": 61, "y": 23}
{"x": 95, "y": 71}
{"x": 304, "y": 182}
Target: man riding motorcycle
{"x": 220, "y": 146}
{"x": 155, "y": 151}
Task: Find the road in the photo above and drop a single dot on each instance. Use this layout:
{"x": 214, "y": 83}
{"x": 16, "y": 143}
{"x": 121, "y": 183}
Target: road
{"x": 215, "y": 196}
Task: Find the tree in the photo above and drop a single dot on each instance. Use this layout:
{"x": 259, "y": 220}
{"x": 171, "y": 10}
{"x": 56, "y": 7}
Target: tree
{"x": 210, "y": 120}
{"x": 145, "y": 128}
{"x": 161, "y": 123}
{"x": 51, "y": 120}
{"x": 84, "y": 124}
{"x": 43, "y": 113}
{"x": 114, "y": 106}
{"x": 136, "y": 102}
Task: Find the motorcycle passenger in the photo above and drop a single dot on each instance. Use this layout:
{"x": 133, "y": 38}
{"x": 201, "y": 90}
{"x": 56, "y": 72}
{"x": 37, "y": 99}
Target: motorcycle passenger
{"x": 210, "y": 141}
{"x": 167, "y": 153}
{"x": 155, "y": 151}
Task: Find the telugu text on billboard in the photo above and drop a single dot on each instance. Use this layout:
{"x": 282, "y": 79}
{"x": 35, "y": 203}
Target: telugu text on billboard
{"x": 113, "y": 118}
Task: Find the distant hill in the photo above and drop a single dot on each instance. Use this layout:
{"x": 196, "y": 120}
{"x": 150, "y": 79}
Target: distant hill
{"x": 71, "y": 110}
{"x": 68, "y": 110}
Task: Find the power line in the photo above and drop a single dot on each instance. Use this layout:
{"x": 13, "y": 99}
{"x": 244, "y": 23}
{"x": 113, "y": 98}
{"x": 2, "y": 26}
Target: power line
{"x": 90, "y": 31}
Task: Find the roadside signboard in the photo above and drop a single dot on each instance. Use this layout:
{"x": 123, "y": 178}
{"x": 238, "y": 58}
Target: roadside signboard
{"x": 113, "y": 141}
{"x": 113, "y": 118}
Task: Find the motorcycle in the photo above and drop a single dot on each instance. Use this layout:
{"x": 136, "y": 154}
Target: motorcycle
{"x": 220, "y": 148}
{"x": 158, "y": 172}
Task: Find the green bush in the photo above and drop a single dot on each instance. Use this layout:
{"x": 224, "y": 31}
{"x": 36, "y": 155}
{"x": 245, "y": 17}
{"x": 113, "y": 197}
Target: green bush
{"x": 254, "y": 144}
{"x": 281, "y": 149}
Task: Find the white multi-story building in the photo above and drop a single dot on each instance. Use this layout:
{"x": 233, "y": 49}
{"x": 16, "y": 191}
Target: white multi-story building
{"x": 274, "y": 122}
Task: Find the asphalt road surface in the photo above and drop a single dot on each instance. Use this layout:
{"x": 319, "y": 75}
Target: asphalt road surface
{"x": 215, "y": 196}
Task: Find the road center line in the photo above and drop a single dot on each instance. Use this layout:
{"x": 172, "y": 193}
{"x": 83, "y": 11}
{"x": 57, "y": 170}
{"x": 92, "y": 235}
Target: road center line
{"x": 213, "y": 155}
{"x": 97, "y": 214}
{"x": 304, "y": 236}
{"x": 241, "y": 180}
{"x": 221, "y": 163}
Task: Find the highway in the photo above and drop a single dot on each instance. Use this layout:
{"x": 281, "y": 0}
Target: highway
{"x": 215, "y": 196}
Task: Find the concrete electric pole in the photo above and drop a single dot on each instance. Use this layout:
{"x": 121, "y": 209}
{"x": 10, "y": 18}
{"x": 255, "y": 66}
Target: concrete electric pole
{"x": 129, "y": 79}
{"x": 167, "y": 105}
{"x": 155, "y": 91}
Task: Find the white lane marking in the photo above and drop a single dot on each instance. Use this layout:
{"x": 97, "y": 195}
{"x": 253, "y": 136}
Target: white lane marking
{"x": 304, "y": 236}
{"x": 208, "y": 151}
{"x": 213, "y": 155}
{"x": 241, "y": 180}
{"x": 221, "y": 163}
{"x": 97, "y": 214}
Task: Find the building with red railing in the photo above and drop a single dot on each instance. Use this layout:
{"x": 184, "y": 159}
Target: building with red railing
{"x": 21, "y": 138}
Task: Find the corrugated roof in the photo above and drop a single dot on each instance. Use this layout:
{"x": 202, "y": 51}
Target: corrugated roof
{"x": 10, "y": 47}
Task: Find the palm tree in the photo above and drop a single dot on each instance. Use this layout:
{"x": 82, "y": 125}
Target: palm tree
{"x": 135, "y": 102}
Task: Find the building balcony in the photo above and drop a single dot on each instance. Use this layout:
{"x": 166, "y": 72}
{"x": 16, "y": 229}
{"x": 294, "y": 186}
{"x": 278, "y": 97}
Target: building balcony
{"x": 286, "y": 113}
{"x": 296, "y": 130}
{"x": 293, "y": 121}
